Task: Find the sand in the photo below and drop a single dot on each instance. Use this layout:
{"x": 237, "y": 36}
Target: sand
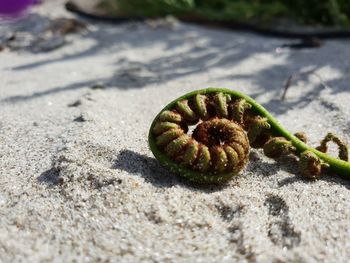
{"x": 78, "y": 182}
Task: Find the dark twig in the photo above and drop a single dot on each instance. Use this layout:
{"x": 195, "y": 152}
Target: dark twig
{"x": 299, "y": 75}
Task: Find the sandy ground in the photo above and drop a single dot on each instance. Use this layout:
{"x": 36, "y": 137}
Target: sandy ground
{"x": 78, "y": 182}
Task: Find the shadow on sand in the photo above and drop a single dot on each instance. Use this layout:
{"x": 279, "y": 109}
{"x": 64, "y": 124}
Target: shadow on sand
{"x": 195, "y": 49}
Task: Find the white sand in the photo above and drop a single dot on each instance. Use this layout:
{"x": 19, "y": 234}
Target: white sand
{"x": 90, "y": 190}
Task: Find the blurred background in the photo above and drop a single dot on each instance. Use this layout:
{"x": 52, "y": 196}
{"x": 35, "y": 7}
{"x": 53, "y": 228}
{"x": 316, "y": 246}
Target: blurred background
{"x": 335, "y": 13}
{"x": 309, "y": 12}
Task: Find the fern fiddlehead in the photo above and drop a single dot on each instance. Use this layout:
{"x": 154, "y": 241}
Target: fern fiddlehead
{"x": 226, "y": 124}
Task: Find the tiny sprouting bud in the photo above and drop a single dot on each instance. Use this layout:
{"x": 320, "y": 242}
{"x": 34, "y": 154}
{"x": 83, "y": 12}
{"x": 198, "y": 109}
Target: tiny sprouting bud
{"x": 342, "y": 147}
{"x": 301, "y": 136}
{"x": 310, "y": 165}
{"x": 277, "y": 147}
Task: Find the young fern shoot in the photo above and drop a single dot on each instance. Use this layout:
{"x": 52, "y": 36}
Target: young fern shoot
{"x": 227, "y": 124}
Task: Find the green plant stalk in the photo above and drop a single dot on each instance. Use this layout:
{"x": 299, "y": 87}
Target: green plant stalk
{"x": 338, "y": 166}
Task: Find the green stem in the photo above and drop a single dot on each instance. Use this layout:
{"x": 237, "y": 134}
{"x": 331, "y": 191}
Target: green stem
{"x": 338, "y": 166}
